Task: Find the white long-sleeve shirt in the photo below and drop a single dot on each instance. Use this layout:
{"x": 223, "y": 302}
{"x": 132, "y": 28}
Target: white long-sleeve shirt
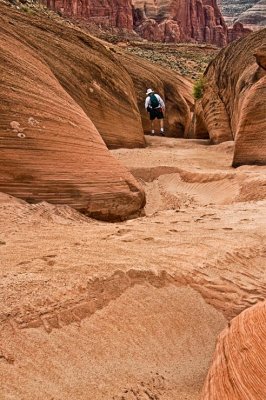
{"x": 148, "y": 102}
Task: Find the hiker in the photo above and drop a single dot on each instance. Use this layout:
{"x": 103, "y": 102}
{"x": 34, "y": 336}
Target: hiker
{"x": 155, "y": 106}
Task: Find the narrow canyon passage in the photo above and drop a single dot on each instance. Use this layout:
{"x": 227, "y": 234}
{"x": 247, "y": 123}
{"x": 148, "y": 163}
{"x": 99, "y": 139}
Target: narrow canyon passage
{"x": 132, "y": 310}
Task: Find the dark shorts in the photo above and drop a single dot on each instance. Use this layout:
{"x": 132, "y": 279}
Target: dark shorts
{"x": 156, "y": 113}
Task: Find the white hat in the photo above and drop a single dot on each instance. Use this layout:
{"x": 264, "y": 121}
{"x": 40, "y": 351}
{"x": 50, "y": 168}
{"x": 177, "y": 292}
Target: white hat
{"x": 149, "y": 91}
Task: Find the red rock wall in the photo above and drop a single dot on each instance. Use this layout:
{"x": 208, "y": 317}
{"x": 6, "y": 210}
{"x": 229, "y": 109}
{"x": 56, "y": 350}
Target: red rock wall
{"x": 161, "y": 20}
{"x": 179, "y": 20}
{"x": 109, "y": 13}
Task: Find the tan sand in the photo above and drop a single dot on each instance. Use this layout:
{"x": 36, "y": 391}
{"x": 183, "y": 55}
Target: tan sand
{"x": 132, "y": 310}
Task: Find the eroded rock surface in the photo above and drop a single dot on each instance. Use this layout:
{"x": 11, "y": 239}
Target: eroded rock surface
{"x": 252, "y": 13}
{"x": 239, "y": 366}
{"x": 234, "y": 99}
{"x": 88, "y": 71}
{"x": 50, "y": 149}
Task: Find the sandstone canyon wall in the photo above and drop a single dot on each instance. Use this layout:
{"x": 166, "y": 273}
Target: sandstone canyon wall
{"x": 90, "y": 74}
{"x": 49, "y": 148}
{"x": 174, "y": 89}
{"x": 238, "y": 368}
{"x": 234, "y": 98}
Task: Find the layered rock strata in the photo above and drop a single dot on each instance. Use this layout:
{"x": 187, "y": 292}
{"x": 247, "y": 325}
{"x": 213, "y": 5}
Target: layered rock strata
{"x": 89, "y": 72}
{"x": 238, "y": 369}
{"x": 49, "y": 148}
{"x": 234, "y": 98}
{"x": 114, "y": 13}
{"x": 251, "y": 13}
{"x": 162, "y": 20}
{"x": 175, "y": 21}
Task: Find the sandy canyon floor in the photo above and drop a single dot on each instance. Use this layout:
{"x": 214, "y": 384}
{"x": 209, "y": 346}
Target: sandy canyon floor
{"x": 132, "y": 310}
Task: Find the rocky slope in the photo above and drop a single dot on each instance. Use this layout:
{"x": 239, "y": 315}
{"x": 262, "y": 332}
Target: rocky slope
{"x": 250, "y": 12}
{"x": 233, "y": 100}
{"x": 238, "y": 369}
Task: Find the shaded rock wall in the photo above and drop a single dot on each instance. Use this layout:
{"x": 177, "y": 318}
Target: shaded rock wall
{"x": 234, "y": 98}
{"x": 238, "y": 368}
{"x": 49, "y": 148}
{"x": 173, "y": 88}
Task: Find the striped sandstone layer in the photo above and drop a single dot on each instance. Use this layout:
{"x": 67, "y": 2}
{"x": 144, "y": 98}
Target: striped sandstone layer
{"x": 239, "y": 366}
{"x": 49, "y": 148}
{"x": 234, "y": 97}
{"x": 88, "y": 71}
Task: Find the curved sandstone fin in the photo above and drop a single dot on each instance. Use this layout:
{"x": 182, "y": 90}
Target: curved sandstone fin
{"x": 49, "y": 148}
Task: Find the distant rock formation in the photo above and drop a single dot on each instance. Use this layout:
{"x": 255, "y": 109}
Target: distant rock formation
{"x": 237, "y": 32}
{"x": 161, "y": 20}
{"x": 251, "y": 13}
{"x": 234, "y": 98}
{"x": 238, "y": 368}
{"x": 108, "y": 13}
{"x": 49, "y": 148}
{"x": 179, "y": 20}
{"x": 254, "y": 17}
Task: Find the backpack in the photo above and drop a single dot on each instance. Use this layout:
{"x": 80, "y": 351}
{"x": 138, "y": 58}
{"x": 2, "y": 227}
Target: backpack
{"x": 154, "y": 102}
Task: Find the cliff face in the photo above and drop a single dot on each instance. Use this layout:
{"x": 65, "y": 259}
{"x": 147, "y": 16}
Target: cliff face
{"x": 161, "y": 20}
{"x": 109, "y": 13}
{"x": 234, "y": 98}
{"x": 178, "y": 20}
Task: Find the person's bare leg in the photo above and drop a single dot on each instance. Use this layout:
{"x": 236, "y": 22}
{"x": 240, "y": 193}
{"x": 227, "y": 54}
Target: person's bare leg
{"x": 162, "y": 127}
{"x": 152, "y": 127}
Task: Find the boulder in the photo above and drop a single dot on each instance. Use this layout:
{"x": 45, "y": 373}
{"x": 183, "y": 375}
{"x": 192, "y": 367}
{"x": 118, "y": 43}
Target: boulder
{"x": 49, "y": 148}
{"x": 238, "y": 368}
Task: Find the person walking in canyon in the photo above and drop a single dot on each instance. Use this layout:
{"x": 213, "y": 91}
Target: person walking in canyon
{"x": 155, "y": 106}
